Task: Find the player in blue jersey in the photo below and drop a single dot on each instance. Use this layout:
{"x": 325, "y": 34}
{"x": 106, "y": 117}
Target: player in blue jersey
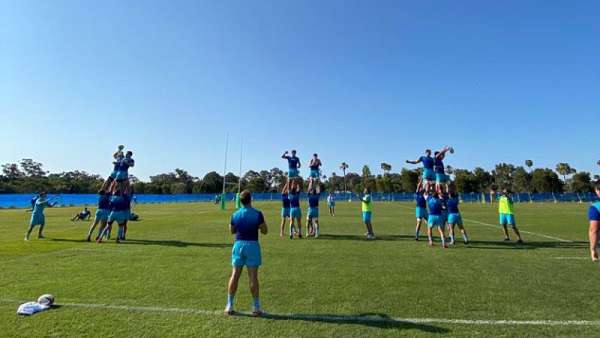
{"x": 312, "y": 216}
{"x": 594, "y": 230}
{"x": 285, "y": 208}
{"x": 444, "y": 218}
{"x": 435, "y": 218}
{"x": 293, "y": 165}
{"x": 441, "y": 179}
{"x": 420, "y": 211}
{"x": 37, "y": 215}
{"x": 315, "y": 168}
{"x": 455, "y": 219}
{"x": 331, "y": 204}
{"x": 101, "y": 214}
{"x": 295, "y": 211}
{"x": 428, "y": 174}
{"x": 120, "y": 204}
{"x": 245, "y": 225}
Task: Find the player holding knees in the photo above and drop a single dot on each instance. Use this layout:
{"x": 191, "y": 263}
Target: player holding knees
{"x": 435, "y": 219}
{"x": 420, "y": 211}
{"x": 312, "y": 218}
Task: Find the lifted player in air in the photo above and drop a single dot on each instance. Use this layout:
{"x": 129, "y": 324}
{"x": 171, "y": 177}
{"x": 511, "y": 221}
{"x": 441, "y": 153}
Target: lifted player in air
{"x": 420, "y": 211}
{"x": 293, "y": 165}
{"x": 312, "y": 216}
{"x": 455, "y": 219}
{"x": 315, "y": 168}
{"x": 441, "y": 179}
{"x": 428, "y": 174}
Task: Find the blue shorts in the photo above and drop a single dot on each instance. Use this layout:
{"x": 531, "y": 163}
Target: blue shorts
{"x": 331, "y": 204}
{"x": 246, "y": 253}
{"x": 421, "y": 212}
{"x": 295, "y": 213}
{"x": 444, "y": 216}
{"x": 285, "y": 212}
{"x": 428, "y": 174}
{"x": 102, "y": 214}
{"x": 313, "y": 212}
{"x": 508, "y": 219}
{"x": 121, "y": 176}
{"x": 440, "y": 178}
{"x": 292, "y": 173}
{"x": 455, "y": 219}
{"x": 113, "y": 175}
{"x": 366, "y": 216}
{"x": 119, "y": 216}
{"x": 37, "y": 219}
{"x": 314, "y": 173}
{"x": 434, "y": 221}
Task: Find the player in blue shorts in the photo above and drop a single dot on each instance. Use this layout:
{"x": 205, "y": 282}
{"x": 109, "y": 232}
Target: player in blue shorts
{"x": 101, "y": 214}
{"x": 444, "y": 200}
{"x": 455, "y": 219}
{"x": 245, "y": 224}
{"x": 312, "y": 216}
{"x": 285, "y": 208}
{"x": 295, "y": 211}
{"x": 120, "y": 204}
{"x": 441, "y": 179}
{"x": 315, "y": 168}
{"x": 331, "y": 204}
{"x": 594, "y": 218}
{"x": 420, "y": 211}
{"x": 428, "y": 174}
{"x": 293, "y": 165}
{"x": 435, "y": 219}
{"x": 367, "y": 213}
{"x": 37, "y": 215}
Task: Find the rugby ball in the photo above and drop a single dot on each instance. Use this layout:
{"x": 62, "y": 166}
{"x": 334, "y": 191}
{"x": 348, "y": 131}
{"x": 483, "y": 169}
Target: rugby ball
{"x": 451, "y": 150}
{"x": 121, "y": 147}
{"x": 46, "y": 299}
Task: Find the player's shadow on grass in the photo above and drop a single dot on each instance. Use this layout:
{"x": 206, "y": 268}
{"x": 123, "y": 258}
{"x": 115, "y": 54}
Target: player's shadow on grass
{"x": 175, "y": 243}
{"x": 378, "y": 320}
{"x": 362, "y": 238}
{"x": 504, "y": 245}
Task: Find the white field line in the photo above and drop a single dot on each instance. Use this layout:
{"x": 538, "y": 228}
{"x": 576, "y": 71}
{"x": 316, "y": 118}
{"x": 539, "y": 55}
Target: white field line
{"x": 523, "y": 231}
{"x": 336, "y": 318}
{"x": 573, "y": 258}
{"x": 500, "y": 227}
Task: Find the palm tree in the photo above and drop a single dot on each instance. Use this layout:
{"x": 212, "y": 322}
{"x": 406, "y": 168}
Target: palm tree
{"x": 344, "y": 166}
{"x": 565, "y": 169}
{"x": 386, "y": 168}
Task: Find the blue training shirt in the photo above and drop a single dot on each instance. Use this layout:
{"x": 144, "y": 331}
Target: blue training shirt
{"x": 293, "y": 162}
{"x": 420, "y": 199}
{"x": 594, "y": 212}
{"x": 313, "y": 200}
{"x": 295, "y": 200}
{"x": 452, "y": 205}
{"x": 435, "y": 206}
{"x": 104, "y": 202}
{"x": 427, "y": 162}
{"x": 285, "y": 201}
{"x": 120, "y": 202}
{"x": 438, "y": 166}
{"x": 246, "y": 222}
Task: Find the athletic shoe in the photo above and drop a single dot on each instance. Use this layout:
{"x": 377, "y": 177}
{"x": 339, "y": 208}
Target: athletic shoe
{"x": 88, "y": 239}
{"x": 507, "y": 239}
{"x": 416, "y": 238}
{"x": 41, "y": 237}
{"x": 228, "y": 311}
{"x": 371, "y": 236}
{"x": 291, "y": 236}
{"x": 257, "y": 312}
{"x": 520, "y": 241}
{"x": 26, "y": 238}
{"x": 430, "y": 243}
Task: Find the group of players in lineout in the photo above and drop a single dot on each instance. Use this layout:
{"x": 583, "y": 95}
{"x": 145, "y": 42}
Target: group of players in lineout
{"x": 436, "y": 201}
{"x": 114, "y": 203}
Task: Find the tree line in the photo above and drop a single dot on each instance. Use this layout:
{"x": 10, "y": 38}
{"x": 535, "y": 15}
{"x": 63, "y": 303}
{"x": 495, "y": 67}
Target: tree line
{"x": 28, "y": 176}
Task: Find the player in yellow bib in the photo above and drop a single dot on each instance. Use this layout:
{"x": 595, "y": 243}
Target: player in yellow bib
{"x": 507, "y": 215}
{"x": 367, "y": 213}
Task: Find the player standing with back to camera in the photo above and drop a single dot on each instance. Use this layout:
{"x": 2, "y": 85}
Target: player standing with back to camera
{"x": 594, "y": 217}
{"x": 245, "y": 224}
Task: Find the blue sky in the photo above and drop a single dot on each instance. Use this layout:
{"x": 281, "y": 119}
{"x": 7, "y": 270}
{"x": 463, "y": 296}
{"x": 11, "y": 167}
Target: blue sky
{"x": 356, "y": 81}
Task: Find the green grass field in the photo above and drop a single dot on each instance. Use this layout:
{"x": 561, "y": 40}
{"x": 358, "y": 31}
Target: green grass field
{"x": 169, "y": 278}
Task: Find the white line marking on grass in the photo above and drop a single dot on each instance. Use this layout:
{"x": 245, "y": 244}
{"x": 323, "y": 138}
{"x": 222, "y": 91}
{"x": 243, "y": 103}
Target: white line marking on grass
{"x": 523, "y": 231}
{"x": 582, "y": 258}
{"x": 335, "y": 318}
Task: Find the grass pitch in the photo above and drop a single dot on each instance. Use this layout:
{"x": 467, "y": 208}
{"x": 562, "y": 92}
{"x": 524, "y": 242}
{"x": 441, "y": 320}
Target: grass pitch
{"x": 169, "y": 278}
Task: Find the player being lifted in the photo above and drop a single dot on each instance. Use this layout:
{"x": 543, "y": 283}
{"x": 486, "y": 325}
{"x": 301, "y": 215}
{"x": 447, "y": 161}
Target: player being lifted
{"x": 312, "y": 216}
{"x": 441, "y": 179}
{"x": 293, "y": 165}
{"x": 428, "y": 174}
{"x": 315, "y": 168}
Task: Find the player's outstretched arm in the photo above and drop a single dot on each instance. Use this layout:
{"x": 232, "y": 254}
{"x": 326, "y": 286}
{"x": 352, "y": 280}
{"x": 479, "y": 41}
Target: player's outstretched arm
{"x": 285, "y": 155}
{"x": 414, "y": 162}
